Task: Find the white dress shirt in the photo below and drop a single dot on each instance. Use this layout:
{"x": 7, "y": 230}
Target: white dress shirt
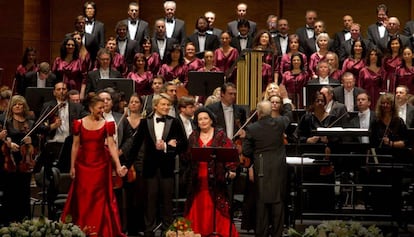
{"x": 229, "y": 119}
{"x": 402, "y": 112}
{"x": 364, "y": 123}
{"x": 40, "y": 83}
{"x": 324, "y": 81}
{"x": 132, "y": 29}
{"x": 63, "y": 130}
{"x": 187, "y": 125}
{"x": 349, "y": 100}
{"x": 169, "y": 27}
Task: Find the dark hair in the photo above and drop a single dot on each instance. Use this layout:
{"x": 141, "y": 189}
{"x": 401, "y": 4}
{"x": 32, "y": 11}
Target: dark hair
{"x": 412, "y": 59}
{"x": 138, "y": 96}
{"x": 26, "y": 53}
{"x": 185, "y": 101}
{"x": 158, "y": 76}
{"x": 63, "y": 52}
{"x": 389, "y": 50}
{"x": 313, "y": 99}
{"x": 200, "y": 18}
{"x": 210, "y": 114}
{"x": 364, "y": 49}
{"x": 175, "y": 47}
{"x": 256, "y": 41}
{"x": 139, "y": 55}
{"x": 225, "y": 85}
{"x": 365, "y": 93}
{"x": 302, "y": 64}
{"x": 379, "y": 56}
{"x": 73, "y": 92}
{"x": 120, "y": 24}
{"x": 93, "y": 4}
{"x": 243, "y": 22}
{"x": 144, "y": 40}
{"x": 382, "y": 7}
{"x": 94, "y": 100}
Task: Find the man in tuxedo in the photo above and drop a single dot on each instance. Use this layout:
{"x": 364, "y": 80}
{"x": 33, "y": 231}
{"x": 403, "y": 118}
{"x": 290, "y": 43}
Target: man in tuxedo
{"x": 186, "y": 106}
{"x": 137, "y": 28}
{"x": 264, "y": 144}
{"x": 157, "y": 84}
{"x": 272, "y": 26}
{"x": 201, "y": 40}
{"x": 344, "y": 34}
{"x": 230, "y": 116}
{"x": 307, "y": 31}
{"x": 125, "y": 46}
{"x": 164, "y": 138}
{"x": 344, "y": 50}
{"x": 241, "y": 12}
{"x": 393, "y": 28}
{"x": 74, "y": 96}
{"x": 334, "y": 108}
{"x": 405, "y": 110}
{"x": 347, "y": 93}
{"x": 175, "y": 28}
{"x": 311, "y": 46}
{"x": 160, "y": 43}
{"x": 243, "y": 40}
{"x": 282, "y": 37}
{"x": 377, "y": 33}
{"x": 92, "y": 26}
{"x": 104, "y": 71}
{"x": 212, "y": 30}
{"x": 40, "y": 79}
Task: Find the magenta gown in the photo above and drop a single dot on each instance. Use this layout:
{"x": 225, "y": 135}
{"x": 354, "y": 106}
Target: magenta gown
{"x": 91, "y": 201}
{"x": 284, "y": 64}
{"x": 118, "y": 62}
{"x": 73, "y": 74}
{"x": 372, "y": 83}
{"x": 179, "y": 71}
{"x": 350, "y": 65}
{"x": 390, "y": 66}
{"x": 195, "y": 64}
{"x": 405, "y": 76}
{"x": 202, "y": 203}
{"x": 294, "y": 84}
{"x": 213, "y": 69}
{"x": 224, "y": 62}
{"x": 337, "y": 74}
{"x": 313, "y": 62}
{"x": 267, "y": 75}
{"x": 154, "y": 63}
{"x": 142, "y": 82}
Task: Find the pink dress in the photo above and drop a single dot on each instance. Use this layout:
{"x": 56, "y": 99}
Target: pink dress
{"x": 224, "y": 62}
{"x": 405, "y": 76}
{"x": 337, "y": 74}
{"x": 154, "y": 63}
{"x": 119, "y": 63}
{"x": 390, "y": 66}
{"x": 179, "y": 72}
{"x": 284, "y": 64}
{"x": 313, "y": 62}
{"x": 73, "y": 74}
{"x": 294, "y": 85}
{"x": 353, "y": 66}
{"x": 195, "y": 64}
{"x": 142, "y": 82}
{"x": 372, "y": 83}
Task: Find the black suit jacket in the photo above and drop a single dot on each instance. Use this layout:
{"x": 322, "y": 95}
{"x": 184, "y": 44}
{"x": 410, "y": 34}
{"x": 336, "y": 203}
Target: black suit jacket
{"x": 354, "y": 123}
{"x": 277, "y": 43}
{"x": 234, "y": 31}
{"x": 142, "y": 30}
{"x": 310, "y": 46}
{"x": 179, "y": 31}
{"x": 374, "y": 37}
{"x": 409, "y": 119}
{"x": 155, "y": 159}
{"x": 95, "y": 76}
{"x": 340, "y": 95}
{"x": 239, "y": 115}
{"x": 132, "y": 47}
{"x": 303, "y": 37}
{"x": 338, "y": 39}
{"x": 212, "y": 43}
{"x": 75, "y": 112}
{"x": 235, "y": 43}
{"x": 30, "y": 80}
{"x": 168, "y": 46}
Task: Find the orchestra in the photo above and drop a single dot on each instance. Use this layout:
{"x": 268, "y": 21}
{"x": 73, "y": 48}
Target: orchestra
{"x": 304, "y": 100}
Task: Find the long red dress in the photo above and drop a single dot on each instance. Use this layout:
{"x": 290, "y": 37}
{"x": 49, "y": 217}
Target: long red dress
{"x": 91, "y": 201}
{"x": 201, "y": 210}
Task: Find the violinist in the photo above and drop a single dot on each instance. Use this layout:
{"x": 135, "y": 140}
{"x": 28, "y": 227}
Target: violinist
{"x": 18, "y": 163}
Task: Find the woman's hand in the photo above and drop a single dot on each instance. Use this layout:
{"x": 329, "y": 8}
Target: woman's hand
{"x": 122, "y": 171}
{"x": 3, "y": 134}
{"x": 251, "y": 174}
{"x": 72, "y": 172}
{"x": 231, "y": 175}
{"x": 312, "y": 140}
{"x": 27, "y": 140}
{"x": 14, "y": 147}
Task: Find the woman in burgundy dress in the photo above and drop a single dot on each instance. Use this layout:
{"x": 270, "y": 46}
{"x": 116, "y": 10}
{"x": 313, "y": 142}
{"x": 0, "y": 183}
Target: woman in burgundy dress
{"x": 209, "y": 62}
{"x": 405, "y": 72}
{"x": 323, "y": 43}
{"x": 69, "y": 67}
{"x": 295, "y": 80}
{"x": 91, "y": 201}
{"x": 226, "y": 56}
{"x": 208, "y": 183}
{"x": 141, "y": 75}
{"x": 83, "y": 52}
{"x": 264, "y": 41}
{"x": 118, "y": 61}
{"x": 174, "y": 68}
{"x": 391, "y": 61}
{"x": 333, "y": 61}
{"x": 372, "y": 75}
{"x": 153, "y": 58}
{"x": 193, "y": 63}
{"x": 284, "y": 64}
{"x": 29, "y": 64}
{"x": 356, "y": 61}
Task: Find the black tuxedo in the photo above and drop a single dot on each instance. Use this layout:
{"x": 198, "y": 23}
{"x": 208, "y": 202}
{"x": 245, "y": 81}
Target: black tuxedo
{"x": 339, "y": 94}
{"x": 158, "y": 168}
{"x": 142, "y": 30}
{"x": 375, "y": 39}
{"x": 95, "y": 76}
{"x": 132, "y": 47}
{"x": 211, "y": 43}
{"x": 30, "y": 80}
{"x": 234, "y": 31}
{"x": 338, "y": 39}
{"x": 215, "y": 31}
{"x": 338, "y": 110}
{"x": 179, "y": 31}
{"x": 98, "y": 33}
{"x": 239, "y": 115}
{"x": 235, "y": 43}
{"x": 409, "y": 116}
{"x": 303, "y": 37}
{"x": 354, "y": 122}
{"x": 278, "y": 46}
{"x": 169, "y": 42}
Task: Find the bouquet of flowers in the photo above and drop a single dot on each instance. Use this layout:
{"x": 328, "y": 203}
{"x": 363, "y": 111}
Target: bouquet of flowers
{"x": 41, "y": 227}
{"x": 338, "y": 229}
{"x": 181, "y": 227}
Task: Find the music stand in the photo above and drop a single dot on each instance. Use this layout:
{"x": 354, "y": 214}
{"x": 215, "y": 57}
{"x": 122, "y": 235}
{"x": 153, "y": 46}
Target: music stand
{"x": 118, "y": 84}
{"x": 36, "y": 97}
{"x": 218, "y": 155}
{"x": 204, "y": 83}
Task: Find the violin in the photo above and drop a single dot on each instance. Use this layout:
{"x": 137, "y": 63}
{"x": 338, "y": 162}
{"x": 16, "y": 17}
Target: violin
{"x": 9, "y": 163}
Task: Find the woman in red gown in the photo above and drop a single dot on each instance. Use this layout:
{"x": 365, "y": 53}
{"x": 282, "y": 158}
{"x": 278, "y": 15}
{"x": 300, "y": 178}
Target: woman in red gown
{"x": 295, "y": 79}
{"x": 91, "y": 201}
{"x": 118, "y": 61}
{"x": 372, "y": 75}
{"x": 284, "y": 64}
{"x": 208, "y": 183}
{"x": 141, "y": 75}
{"x": 405, "y": 72}
{"x": 174, "y": 68}
{"x": 152, "y": 57}
{"x": 390, "y": 63}
{"x": 356, "y": 61}
{"x": 225, "y": 56}
{"x": 323, "y": 43}
{"x": 193, "y": 63}
{"x": 29, "y": 64}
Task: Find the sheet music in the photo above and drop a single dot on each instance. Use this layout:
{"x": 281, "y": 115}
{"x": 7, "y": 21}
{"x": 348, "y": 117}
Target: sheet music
{"x": 294, "y": 160}
{"x": 341, "y": 129}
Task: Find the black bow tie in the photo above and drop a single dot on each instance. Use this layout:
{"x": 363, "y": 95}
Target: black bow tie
{"x": 346, "y": 31}
{"x": 379, "y": 24}
{"x": 122, "y": 40}
{"x": 309, "y": 28}
{"x": 283, "y": 36}
{"x": 201, "y": 34}
{"x": 133, "y": 22}
{"x": 161, "y": 119}
{"x": 170, "y": 20}
{"x": 242, "y": 37}
{"x": 160, "y": 39}
{"x": 88, "y": 23}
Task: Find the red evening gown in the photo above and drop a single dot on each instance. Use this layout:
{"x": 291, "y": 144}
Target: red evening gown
{"x": 201, "y": 211}
{"x": 91, "y": 201}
